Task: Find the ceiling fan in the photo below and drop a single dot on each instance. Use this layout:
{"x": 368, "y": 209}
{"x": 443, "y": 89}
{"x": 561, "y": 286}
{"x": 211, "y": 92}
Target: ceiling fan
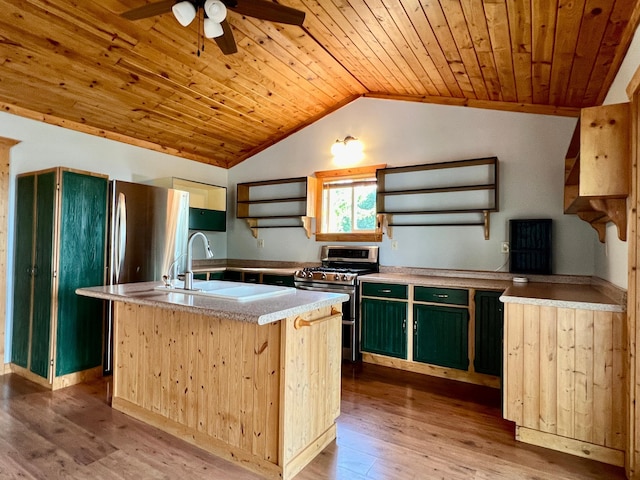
{"x": 215, "y": 23}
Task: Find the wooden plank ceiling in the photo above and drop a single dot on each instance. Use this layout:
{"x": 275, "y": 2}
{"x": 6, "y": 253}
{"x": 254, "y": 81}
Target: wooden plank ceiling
{"x": 80, "y": 65}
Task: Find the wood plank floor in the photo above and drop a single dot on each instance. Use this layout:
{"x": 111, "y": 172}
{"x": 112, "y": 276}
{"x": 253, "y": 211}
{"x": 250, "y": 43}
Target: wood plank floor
{"x": 394, "y": 425}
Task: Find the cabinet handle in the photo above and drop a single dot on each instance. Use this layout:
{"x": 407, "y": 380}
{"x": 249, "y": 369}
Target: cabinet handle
{"x": 415, "y": 327}
{"x": 34, "y": 271}
{"x": 385, "y": 290}
{"x": 299, "y": 322}
{"x": 404, "y": 325}
{"x": 442, "y": 295}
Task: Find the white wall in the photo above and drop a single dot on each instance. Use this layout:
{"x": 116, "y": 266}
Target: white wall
{"x": 530, "y": 149}
{"x": 611, "y": 257}
{"x": 44, "y": 146}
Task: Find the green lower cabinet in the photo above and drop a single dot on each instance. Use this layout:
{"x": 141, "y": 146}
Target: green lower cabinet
{"x": 384, "y": 327}
{"x": 232, "y": 275}
{"x": 441, "y": 336}
{"x": 275, "y": 279}
{"x": 216, "y": 275}
{"x": 489, "y": 331}
{"x": 200, "y": 276}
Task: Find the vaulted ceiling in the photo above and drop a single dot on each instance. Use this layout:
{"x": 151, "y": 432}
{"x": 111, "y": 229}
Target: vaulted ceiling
{"x": 81, "y": 65}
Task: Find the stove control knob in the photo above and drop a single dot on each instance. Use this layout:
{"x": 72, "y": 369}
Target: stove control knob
{"x": 344, "y": 277}
{"x": 324, "y": 276}
{"x": 337, "y": 276}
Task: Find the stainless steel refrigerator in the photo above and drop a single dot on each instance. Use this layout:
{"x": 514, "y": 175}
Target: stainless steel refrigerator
{"x": 148, "y": 232}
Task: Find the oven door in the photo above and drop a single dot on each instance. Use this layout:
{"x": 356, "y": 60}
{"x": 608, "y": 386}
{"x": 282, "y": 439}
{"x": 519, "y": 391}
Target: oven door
{"x": 350, "y": 326}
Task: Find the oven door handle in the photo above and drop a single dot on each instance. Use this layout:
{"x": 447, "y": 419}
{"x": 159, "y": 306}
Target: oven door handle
{"x": 346, "y": 290}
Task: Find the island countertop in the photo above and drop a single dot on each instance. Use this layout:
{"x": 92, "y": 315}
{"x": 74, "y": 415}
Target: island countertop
{"x": 262, "y": 311}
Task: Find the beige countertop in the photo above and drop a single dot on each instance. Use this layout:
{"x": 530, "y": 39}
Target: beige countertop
{"x": 566, "y": 295}
{"x": 260, "y": 311}
{"x": 584, "y": 297}
{"x": 267, "y": 270}
{"x": 437, "y": 281}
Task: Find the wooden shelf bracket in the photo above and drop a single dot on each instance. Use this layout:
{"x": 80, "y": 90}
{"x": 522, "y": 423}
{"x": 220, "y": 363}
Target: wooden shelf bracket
{"x": 616, "y": 210}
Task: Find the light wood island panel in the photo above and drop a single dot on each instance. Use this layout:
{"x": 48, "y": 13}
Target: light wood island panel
{"x": 565, "y": 379}
{"x": 266, "y": 396}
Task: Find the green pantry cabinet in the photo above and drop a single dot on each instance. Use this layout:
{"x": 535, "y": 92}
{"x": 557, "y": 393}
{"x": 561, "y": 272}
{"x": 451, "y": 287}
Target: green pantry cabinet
{"x": 59, "y": 246}
{"x": 449, "y": 332}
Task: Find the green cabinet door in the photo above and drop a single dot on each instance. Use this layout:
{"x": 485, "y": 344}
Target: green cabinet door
{"x": 489, "y": 331}
{"x": 81, "y": 264}
{"x": 22, "y": 269}
{"x": 384, "y": 327}
{"x": 43, "y": 273}
{"x": 441, "y": 336}
{"x": 232, "y": 275}
{"x": 208, "y": 220}
{"x": 277, "y": 279}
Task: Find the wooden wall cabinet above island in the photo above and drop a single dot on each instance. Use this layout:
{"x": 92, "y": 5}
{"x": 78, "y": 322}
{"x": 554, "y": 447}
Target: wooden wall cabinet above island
{"x": 565, "y": 369}
{"x": 256, "y": 383}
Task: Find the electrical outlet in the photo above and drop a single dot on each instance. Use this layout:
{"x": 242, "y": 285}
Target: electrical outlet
{"x": 261, "y": 243}
{"x": 394, "y": 245}
{"x": 504, "y": 248}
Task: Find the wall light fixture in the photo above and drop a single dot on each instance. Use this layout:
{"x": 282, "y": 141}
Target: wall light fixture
{"x": 348, "y": 150}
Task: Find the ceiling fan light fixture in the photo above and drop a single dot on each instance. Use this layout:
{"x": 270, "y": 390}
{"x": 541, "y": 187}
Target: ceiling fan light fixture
{"x": 184, "y": 12}
{"x": 212, "y": 29}
{"x": 215, "y": 10}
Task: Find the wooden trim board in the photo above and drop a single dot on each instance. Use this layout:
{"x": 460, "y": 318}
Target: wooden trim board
{"x": 58, "y": 382}
{"x": 5, "y": 160}
{"x": 433, "y": 370}
{"x": 571, "y": 446}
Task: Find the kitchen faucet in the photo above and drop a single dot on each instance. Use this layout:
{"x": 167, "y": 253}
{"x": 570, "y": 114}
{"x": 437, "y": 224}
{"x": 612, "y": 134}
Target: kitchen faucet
{"x": 188, "y": 272}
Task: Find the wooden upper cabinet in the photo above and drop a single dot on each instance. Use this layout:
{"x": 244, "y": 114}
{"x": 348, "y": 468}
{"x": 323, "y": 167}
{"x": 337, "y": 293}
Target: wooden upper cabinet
{"x": 604, "y": 151}
{"x": 597, "y": 168}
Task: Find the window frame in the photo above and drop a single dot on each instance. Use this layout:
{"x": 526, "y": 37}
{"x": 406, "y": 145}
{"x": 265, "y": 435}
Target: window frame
{"x": 344, "y": 173}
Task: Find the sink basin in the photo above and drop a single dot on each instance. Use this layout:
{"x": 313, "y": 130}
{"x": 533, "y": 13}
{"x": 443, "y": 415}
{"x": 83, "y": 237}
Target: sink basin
{"x": 237, "y": 292}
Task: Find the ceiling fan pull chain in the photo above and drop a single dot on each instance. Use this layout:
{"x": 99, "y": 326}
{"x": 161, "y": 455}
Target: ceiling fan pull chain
{"x": 199, "y": 34}
{"x": 201, "y": 28}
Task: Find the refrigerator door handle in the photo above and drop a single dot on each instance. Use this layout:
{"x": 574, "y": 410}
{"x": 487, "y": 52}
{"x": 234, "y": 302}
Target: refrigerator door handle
{"x": 121, "y": 234}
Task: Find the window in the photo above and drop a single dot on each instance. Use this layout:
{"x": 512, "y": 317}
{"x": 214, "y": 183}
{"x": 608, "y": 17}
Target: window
{"x": 347, "y": 205}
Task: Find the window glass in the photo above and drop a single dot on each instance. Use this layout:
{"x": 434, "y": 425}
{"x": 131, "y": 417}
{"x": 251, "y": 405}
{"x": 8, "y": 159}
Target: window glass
{"x": 347, "y": 205}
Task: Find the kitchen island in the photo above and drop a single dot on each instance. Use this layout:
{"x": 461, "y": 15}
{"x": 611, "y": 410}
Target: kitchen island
{"x": 256, "y": 382}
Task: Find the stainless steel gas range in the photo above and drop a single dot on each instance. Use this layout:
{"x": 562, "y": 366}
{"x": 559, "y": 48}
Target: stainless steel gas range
{"x": 341, "y": 266}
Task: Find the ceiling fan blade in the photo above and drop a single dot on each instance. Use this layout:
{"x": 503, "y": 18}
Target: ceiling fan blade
{"x": 226, "y": 42}
{"x": 267, "y": 10}
{"x": 149, "y": 10}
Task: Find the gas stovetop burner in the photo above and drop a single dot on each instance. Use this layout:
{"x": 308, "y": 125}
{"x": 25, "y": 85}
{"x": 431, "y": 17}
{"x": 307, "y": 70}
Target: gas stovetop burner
{"x": 340, "y": 266}
{"x": 326, "y": 275}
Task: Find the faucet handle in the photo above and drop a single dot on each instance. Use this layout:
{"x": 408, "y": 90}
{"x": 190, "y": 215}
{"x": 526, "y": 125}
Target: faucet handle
{"x": 166, "y": 280}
